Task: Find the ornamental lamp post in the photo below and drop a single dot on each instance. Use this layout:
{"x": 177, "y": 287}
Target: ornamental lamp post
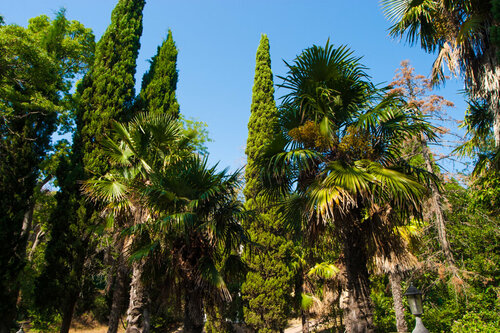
{"x": 415, "y": 302}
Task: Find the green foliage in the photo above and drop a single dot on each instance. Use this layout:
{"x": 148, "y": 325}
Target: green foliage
{"x": 108, "y": 90}
{"x": 37, "y": 66}
{"x": 197, "y": 131}
{"x": 384, "y": 315}
{"x": 357, "y": 167}
{"x": 60, "y": 276}
{"x": 100, "y": 309}
{"x": 268, "y": 285}
{"x": 495, "y": 30}
{"x": 41, "y": 324}
{"x": 106, "y": 93}
{"x": 45, "y": 203}
{"x": 452, "y": 303}
{"x": 160, "y": 82}
{"x": 474, "y": 323}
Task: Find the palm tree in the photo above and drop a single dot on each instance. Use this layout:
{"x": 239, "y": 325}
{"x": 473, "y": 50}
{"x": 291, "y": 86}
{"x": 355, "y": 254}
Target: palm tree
{"x": 147, "y": 143}
{"x": 461, "y": 33}
{"x": 197, "y": 216}
{"x": 338, "y": 153}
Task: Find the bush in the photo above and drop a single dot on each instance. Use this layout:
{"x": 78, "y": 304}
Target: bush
{"x": 472, "y": 322}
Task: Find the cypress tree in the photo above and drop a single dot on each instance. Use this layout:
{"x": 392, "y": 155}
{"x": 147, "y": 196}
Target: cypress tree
{"x": 268, "y": 284}
{"x": 160, "y": 82}
{"x": 106, "y": 93}
{"x": 110, "y": 93}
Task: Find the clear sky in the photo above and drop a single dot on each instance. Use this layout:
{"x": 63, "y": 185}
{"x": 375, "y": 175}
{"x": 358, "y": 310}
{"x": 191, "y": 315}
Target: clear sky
{"x": 217, "y": 42}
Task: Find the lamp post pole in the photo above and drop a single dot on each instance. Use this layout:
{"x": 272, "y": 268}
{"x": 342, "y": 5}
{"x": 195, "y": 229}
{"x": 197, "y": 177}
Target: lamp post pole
{"x": 415, "y": 302}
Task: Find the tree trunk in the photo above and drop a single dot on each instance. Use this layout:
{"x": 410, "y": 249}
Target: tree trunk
{"x": 487, "y": 86}
{"x": 436, "y": 209}
{"x": 305, "y": 322}
{"x": 37, "y": 240}
{"x": 397, "y": 296}
{"x": 4, "y": 327}
{"x": 358, "y": 312}
{"x": 193, "y": 310}
{"x": 136, "y": 321}
{"x": 299, "y": 290}
{"x": 75, "y": 286}
{"x": 120, "y": 289}
{"x": 496, "y": 125}
{"x": 68, "y": 311}
{"x": 7, "y": 319}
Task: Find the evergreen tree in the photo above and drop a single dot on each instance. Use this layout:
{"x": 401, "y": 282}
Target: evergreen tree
{"x": 109, "y": 92}
{"x": 160, "y": 82}
{"x": 106, "y": 93}
{"x": 268, "y": 285}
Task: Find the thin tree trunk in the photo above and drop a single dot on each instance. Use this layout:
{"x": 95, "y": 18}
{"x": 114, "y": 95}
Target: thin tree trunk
{"x": 358, "y": 314}
{"x": 397, "y": 296}
{"x": 28, "y": 215}
{"x": 136, "y": 321}
{"x": 120, "y": 289}
{"x": 193, "y": 310}
{"x": 496, "y": 125}
{"x": 305, "y": 322}
{"x": 37, "y": 240}
{"x": 436, "y": 209}
{"x": 299, "y": 289}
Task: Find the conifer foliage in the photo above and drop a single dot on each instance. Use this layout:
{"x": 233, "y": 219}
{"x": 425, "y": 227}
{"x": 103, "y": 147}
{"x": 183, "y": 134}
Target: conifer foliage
{"x": 106, "y": 93}
{"x": 268, "y": 285}
{"x": 109, "y": 89}
{"x": 160, "y": 82}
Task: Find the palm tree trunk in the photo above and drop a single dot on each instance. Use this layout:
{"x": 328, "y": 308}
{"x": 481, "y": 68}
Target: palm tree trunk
{"x": 436, "y": 209}
{"x": 487, "y": 86}
{"x": 137, "y": 322}
{"x": 358, "y": 314}
{"x": 397, "y": 296}
{"x": 120, "y": 288}
{"x": 193, "y": 310}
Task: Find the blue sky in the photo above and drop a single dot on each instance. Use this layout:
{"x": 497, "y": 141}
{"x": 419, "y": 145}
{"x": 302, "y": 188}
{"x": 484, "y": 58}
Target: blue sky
{"x": 217, "y": 42}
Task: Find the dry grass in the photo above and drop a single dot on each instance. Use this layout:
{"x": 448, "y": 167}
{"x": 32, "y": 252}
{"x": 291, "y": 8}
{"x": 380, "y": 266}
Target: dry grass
{"x": 87, "y": 324}
{"x": 95, "y": 329}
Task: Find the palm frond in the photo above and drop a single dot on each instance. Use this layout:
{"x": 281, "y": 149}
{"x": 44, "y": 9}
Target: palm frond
{"x": 211, "y": 278}
{"x": 107, "y": 189}
{"x": 324, "y": 270}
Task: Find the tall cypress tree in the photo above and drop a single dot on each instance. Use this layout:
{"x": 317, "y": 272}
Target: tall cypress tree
{"x": 268, "y": 285}
{"x": 105, "y": 94}
{"x": 109, "y": 93}
{"x": 160, "y": 82}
